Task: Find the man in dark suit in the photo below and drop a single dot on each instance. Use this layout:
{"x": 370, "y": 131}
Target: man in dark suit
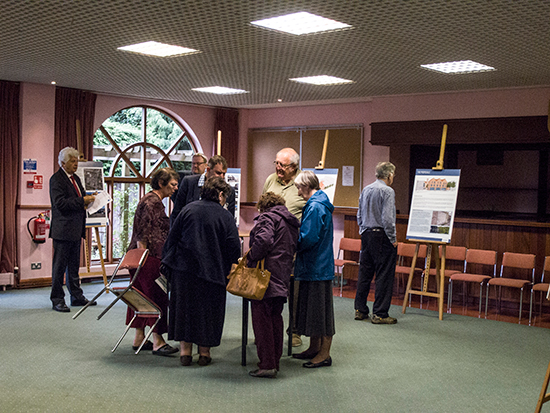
{"x": 190, "y": 188}
{"x": 68, "y": 226}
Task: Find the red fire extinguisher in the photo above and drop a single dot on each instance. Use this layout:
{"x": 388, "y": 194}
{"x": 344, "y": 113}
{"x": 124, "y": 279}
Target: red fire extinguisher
{"x": 38, "y": 233}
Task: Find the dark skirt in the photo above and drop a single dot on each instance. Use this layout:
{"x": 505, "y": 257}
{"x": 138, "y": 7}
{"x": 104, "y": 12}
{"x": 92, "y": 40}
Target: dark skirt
{"x": 145, "y": 283}
{"x": 315, "y": 312}
{"x": 197, "y": 310}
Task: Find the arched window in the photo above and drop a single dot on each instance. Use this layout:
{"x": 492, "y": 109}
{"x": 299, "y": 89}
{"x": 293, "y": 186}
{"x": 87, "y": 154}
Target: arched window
{"x": 131, "y": 145}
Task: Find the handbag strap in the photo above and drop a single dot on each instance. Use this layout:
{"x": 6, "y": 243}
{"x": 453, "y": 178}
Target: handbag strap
{"x": 259, "y": 264}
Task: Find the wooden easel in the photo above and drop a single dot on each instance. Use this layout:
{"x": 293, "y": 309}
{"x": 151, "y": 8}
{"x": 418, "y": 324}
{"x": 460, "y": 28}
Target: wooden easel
{"x": 431, "y": 252}
{"x": 88, "y": 245}
{"x": 88, "y": 253}
{"x": 440, "y": 273}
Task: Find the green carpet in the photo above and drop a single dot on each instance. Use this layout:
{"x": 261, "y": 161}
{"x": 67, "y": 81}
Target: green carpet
{"x": 51, "y": 363}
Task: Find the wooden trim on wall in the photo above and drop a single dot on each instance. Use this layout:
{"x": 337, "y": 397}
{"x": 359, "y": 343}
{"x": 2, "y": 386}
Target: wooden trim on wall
{"x": 524, "y": 129}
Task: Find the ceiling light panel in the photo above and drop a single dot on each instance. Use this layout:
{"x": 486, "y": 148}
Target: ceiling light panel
{"x": 461, "y": 66}
{"x": 158, "y": 49}
{"x": 322, "y": 80}
{"x": 301, "y": 23}
{"x": 219, "y": 90}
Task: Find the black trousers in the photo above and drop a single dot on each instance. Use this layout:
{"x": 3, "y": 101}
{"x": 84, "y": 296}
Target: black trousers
{"x": 66, "y": 261}
{"x": 378, "y": 257}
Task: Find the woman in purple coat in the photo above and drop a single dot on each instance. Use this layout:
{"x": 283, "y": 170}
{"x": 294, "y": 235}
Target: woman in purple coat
{"x": 274, "y": 237}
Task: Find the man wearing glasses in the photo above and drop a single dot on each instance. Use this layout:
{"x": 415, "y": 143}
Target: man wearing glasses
{"x": 198, "y": 166}
{"x": 190, "y": 189}
{"x": 282, "y": 183}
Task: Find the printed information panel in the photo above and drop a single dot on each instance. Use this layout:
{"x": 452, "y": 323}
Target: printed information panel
{"x": 433, "y": 205}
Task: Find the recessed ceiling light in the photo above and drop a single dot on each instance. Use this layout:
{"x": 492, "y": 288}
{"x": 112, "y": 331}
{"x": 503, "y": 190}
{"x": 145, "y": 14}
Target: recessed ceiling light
{"x": 220, "y": 90}
{"x": 300, "y": 23}
{"x": 461, "y": 66}
{"x": 158, "y": 49}
{"x": 322, "y": 80}
{"x": 53, "y": 82}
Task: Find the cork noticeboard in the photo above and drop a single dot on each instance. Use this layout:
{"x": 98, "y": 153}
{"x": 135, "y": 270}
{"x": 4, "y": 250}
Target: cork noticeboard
{"x": 344, "y": 149}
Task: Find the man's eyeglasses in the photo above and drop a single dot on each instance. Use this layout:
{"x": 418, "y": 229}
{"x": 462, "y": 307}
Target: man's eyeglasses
{"x": 197, "y": 163}
{"x": 280, "y": 165}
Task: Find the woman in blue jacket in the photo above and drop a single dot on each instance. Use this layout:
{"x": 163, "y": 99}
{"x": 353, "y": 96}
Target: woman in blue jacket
{"x": 314, "y": 269}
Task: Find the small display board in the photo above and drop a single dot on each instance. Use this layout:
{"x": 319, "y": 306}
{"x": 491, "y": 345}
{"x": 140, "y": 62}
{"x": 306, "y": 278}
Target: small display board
{"x": 433, "y": 205}
{"x": 233, "y": 178}
{"x": 328, "y": 178}
{"x": 91, "y": 176}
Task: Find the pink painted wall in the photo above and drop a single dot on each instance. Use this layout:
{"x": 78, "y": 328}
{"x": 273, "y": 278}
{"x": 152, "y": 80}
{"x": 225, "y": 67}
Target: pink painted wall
{"x": 37, "y": 131}
{"x": 37, "y": 127}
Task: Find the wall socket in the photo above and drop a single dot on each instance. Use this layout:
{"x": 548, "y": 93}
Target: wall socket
{"x": 36, "y": 265}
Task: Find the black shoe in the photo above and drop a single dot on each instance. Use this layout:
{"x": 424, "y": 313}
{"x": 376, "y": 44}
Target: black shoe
{"x": 324, "y": 363}
{"x": 303, "y": 356}
{"x": 204, "y": 360}
{"x": 147, "y": 346}
{"x": 81, "y": 302}
{"x": 165, "y": 350}
{"x": 186, "y": 360}
{"x": 62, "y": 308}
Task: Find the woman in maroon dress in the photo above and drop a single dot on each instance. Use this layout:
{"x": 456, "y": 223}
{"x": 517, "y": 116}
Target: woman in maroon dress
{"x": 151, "y": 227}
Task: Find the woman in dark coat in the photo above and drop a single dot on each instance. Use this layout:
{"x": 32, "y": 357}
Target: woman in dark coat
{"x": 315, "y": 270}
{"x": 274, "y": 238}
{"x": 150, "y": 229}
{"x": 202, "y": 244}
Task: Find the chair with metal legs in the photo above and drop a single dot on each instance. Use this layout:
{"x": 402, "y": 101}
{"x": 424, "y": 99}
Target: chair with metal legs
{"x": 520, "y": 272}
{"x": 346, "y": 244}
{"x": 475, "y": 260}
{"x": 541, "y": 287}
{"x": 143, "y": 306}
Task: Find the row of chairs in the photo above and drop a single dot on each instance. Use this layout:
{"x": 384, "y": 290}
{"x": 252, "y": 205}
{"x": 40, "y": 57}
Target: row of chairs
{"x": 517, "y": 271}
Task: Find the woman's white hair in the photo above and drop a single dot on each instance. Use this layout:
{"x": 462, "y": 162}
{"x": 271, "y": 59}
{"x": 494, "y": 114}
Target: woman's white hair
{"x": 307, "y": 179}
{"x": 67, "y": 153}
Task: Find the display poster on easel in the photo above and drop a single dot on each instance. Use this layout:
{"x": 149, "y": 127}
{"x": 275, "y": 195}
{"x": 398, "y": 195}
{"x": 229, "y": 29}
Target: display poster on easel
{"x": 91, "y": 176}
{"x": 327, "y": 180}
{"x": 433, "y": 205}
{"x": 233, "y": 178}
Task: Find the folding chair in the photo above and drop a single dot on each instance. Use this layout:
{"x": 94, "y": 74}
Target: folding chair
{"x": 346, "y": 244}
{"x": 132, "y": 297}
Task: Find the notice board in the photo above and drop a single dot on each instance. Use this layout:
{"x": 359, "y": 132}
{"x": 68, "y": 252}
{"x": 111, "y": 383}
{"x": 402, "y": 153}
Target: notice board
{"x": 344, "y": 153}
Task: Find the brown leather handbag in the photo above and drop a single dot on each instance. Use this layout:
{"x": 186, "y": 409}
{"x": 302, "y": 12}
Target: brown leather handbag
{"x": 247, "y": 282}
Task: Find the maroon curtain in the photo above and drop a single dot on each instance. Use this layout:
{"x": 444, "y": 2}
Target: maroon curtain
{"x": 72, "y": 105}
{"x": 10, "y": 141}
{"x": 227, "y": 120}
